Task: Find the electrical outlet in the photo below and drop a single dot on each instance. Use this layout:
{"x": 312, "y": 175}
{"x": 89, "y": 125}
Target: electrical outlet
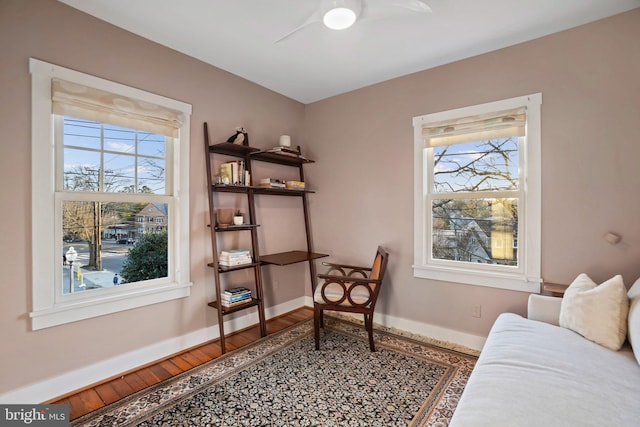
{"x": 476, "y": 311}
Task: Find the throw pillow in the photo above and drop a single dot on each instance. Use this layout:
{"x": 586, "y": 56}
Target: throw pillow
{"x": 598, "y": 313}
{"x": 634, "y": 318}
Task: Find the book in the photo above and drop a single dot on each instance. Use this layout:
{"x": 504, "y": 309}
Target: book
{"x": 235, "y": 253}
{"x": 235, "y": 261}
{"x": 283, "y": 150}
{"x": 233, "y": 304}
{"x": 294, "y": 185}
{"x": 235, "y": 298}
{"x": 234, "y": 257}
{"x": 226, "y": 175}
{"x": 273, "y": 185}
{"x": 237, "y": 290}
{"x": 271, "y": 181}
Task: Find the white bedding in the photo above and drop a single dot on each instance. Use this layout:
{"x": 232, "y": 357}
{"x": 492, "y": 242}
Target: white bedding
{"x": 532, "y": 373}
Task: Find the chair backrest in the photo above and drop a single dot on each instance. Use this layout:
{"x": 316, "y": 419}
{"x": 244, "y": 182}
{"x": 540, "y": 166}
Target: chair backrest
{"x": 378, "y": 269}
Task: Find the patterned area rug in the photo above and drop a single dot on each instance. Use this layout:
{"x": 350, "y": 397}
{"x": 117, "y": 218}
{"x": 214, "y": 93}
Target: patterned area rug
{"x": 281, "y": 380}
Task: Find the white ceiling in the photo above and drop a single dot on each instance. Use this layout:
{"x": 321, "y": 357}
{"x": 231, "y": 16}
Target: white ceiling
{"x": 316, "y": 62}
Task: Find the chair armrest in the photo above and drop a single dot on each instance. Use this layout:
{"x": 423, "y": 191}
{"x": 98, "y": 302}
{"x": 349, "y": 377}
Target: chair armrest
{"x": 544, "y": 309}
{"x": 340, "y": 268}
{"x": 351, "y": 267}
{"x": 350, "y": 279}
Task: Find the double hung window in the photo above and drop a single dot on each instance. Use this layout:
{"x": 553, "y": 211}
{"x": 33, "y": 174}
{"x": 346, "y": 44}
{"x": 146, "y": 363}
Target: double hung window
{"x": 477, "y": 194}
{"x": 102, "y": 155}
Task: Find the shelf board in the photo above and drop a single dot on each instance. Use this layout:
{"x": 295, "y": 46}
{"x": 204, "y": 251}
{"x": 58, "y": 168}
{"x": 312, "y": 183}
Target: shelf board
{"x": 236, "y": 227}
{"x": 228, "y": 188}
{"x": 230, "y": 149}
{"x": 281, "y": 159}
{"x": 229, "y": 310}
{"x": 280, "y": 191}
{"x": 291, "y": 257}
{"x": 224, "y": 269}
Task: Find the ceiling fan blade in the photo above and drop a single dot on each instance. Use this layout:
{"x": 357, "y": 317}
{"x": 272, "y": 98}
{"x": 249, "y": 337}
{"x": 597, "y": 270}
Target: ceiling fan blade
{"x": 311, "y": 20}
{"x": 381, "y": 8}
{"x": 413, "y": 5}
{"x": 323, "y": 7}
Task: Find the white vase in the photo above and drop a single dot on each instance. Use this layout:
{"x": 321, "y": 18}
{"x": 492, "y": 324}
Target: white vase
{"x": 237, "y": 220}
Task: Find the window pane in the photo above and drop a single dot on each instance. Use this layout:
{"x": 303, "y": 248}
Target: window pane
{"x": 151, "y": 176}
{"x": 475, "y": 230}
{"x": 119, "y": 173}
{"x": 107, "y": 158}
{"x": 476, "y": 166}
{"x": 82, "y": 133}
{"x": 119, "y": 139}
{"x": 111, "y": 246}
{"x": 151, "y": 145}
{"x": 81, "y": 170}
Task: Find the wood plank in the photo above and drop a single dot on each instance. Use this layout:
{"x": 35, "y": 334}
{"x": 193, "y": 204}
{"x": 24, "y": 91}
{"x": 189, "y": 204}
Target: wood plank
{"x": 84, "y": 402}
{"x": 201, "y": 355}
{"x": 181, "y": 362}
{"x": 160, "y": 372}
{"x": 192, "y": 359}
{"x": 148, "y": 376}
{"x": 211, "y": 349}
{"x": 171, "y": 367}
{"x": 277, "y": 324}
{"x": 111, "y": 390}
{"x": 135, "y": 382}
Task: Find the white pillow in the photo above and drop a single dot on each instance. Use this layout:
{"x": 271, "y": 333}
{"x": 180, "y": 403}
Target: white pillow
{"x": 634, "y": 318}
{"x": 598, "y": 313}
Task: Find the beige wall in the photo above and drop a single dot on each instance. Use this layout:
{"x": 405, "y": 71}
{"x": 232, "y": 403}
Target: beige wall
{"x": 590, "y": 88}
{"x": 53, "y": 32}
{"x": 363, "y": 144}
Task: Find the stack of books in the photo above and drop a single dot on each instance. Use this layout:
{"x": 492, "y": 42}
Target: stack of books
{"x": 294, "y": 185}
{"x": 235, "y": 296}
{"x": 272, "y": 183}
{"x": 234, "y": 173}
{"x": 234, "y": 257}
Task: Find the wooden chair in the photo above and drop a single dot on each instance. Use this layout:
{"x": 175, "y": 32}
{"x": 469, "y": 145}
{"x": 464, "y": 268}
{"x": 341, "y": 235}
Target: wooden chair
{"x": 349, "y": 288}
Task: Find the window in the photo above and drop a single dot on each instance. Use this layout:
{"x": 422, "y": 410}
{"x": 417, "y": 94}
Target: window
{"x": 477, "y": 190}
{"x": 101, "y": 153}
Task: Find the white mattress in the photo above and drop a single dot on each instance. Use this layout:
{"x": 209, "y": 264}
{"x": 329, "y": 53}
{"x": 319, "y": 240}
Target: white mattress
{"x": 531, "y": 373}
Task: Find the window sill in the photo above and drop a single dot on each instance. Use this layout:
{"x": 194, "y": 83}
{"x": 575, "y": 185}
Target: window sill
{"x": 513, "y": 282}
{"x": 71, "y": 312}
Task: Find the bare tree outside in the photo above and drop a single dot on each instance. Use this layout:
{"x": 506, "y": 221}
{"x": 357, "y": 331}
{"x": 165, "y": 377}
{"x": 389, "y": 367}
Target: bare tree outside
{"x": 479, "y": 224}
{"x": 87, "y": 220}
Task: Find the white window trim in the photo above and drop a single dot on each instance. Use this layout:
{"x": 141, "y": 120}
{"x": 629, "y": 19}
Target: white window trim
{"x": 527, "y": 277}
{"x": 46, "y": 310}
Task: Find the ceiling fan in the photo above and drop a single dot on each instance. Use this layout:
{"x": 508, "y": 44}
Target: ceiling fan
{"x": 341, "y": 14}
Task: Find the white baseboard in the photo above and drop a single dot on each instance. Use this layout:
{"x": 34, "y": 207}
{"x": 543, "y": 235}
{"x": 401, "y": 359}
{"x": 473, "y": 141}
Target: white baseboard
{"x": 474, "y": 342}
{"x": 80, "y": 378}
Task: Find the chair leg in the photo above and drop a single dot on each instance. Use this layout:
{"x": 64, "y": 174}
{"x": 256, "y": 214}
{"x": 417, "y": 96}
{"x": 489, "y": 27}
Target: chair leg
{"x": 322, "y": 319}
{"x": 317, "y": 316}
{"x": 369, "y": 326}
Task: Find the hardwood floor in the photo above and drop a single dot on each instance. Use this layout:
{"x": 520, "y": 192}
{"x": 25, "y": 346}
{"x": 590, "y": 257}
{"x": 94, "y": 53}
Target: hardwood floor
{"x": 110, "y": 390}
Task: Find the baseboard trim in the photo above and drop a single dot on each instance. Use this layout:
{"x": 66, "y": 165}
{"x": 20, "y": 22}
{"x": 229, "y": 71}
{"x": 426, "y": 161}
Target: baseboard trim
{"x": 474, "y": 342}
{"x": 80, "y": 378}
{"x": 48, "y": 389}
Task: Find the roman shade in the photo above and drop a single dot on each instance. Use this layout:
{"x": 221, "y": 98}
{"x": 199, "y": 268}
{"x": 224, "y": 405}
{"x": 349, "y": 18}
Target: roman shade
{"x": 502, "y": 124}
{"x": 84, "y": 102}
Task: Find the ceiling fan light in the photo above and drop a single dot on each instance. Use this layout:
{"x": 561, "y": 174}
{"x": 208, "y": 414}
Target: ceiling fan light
{"x": 339, "y": 18}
